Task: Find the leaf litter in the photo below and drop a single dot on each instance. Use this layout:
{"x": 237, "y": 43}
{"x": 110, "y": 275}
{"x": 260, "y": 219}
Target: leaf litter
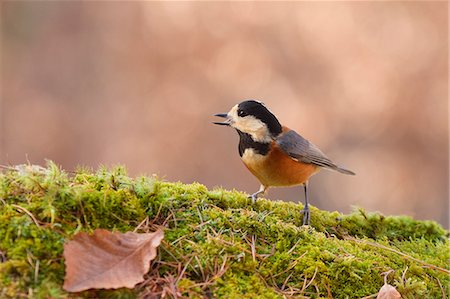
{"x": 108, "y": 260}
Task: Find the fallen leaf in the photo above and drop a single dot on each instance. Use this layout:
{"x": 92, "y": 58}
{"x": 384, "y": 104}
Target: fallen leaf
{"x": 108, "y": 260}
{"x": 388, "y": 292}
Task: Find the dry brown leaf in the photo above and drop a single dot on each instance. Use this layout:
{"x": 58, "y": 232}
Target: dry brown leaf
{"x": 108, "y": 260}
{"x": 388, "y": 292}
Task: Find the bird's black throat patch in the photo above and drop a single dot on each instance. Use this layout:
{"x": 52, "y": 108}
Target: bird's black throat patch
{"x": 246, "y": 141}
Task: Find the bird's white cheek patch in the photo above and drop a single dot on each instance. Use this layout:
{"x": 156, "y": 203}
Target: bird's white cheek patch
{"x": 250, "y": 125}
{"x": 256, "y": 128}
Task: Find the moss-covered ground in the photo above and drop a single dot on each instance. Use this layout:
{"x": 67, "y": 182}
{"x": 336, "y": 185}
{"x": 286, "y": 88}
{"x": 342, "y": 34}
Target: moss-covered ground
{"x": 217, "y": 243}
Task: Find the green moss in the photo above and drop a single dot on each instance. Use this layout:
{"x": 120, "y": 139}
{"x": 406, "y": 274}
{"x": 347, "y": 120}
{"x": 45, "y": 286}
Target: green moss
{"x": 217, "y": 243}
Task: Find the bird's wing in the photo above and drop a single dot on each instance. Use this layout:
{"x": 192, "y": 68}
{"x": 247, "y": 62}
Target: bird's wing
{"x": 300, "y": 149}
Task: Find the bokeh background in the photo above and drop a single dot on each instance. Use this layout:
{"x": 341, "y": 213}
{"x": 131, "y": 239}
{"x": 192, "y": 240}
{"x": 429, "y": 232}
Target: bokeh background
{"x": 137, "y": 83}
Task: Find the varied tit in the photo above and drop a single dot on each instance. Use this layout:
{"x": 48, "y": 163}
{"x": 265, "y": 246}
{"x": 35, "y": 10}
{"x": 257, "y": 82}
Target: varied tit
{"x": 274, "y": 154}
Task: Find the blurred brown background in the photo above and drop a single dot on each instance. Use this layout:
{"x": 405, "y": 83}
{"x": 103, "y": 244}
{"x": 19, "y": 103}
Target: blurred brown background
{"x": 137, "y": 83}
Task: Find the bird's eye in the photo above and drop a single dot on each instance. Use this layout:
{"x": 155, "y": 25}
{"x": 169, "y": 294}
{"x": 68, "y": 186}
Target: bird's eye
{"x": 242, "y": 113}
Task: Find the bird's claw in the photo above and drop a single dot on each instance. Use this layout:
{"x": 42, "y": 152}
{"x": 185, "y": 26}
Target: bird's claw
{"x": 255, "y": 196}
{"x": 306, "y": 215}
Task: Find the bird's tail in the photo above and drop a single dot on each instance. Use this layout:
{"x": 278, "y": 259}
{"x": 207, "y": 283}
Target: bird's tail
{"x": 344, "y": 171}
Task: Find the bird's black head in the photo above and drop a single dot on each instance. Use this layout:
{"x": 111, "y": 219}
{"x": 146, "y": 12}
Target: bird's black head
{"x": 259, "y": 111}
{"x": 253, "y": 118}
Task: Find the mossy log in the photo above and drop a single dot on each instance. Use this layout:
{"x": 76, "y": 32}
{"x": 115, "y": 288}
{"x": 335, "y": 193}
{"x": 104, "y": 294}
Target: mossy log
{"x": 217, "y": 243}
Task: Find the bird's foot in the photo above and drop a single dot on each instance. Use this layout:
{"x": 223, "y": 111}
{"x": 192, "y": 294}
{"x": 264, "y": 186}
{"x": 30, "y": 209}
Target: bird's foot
{"x": 306, "y": 215}
{"x": 255, "y": 196}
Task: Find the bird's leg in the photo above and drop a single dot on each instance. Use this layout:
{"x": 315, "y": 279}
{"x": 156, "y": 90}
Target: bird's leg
{"x": 262, "y": 190}
{"x": 306, "y": 212}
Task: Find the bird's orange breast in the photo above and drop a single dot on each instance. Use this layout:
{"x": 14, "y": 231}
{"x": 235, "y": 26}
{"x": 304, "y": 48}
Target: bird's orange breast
{"x": 276, "y": 168}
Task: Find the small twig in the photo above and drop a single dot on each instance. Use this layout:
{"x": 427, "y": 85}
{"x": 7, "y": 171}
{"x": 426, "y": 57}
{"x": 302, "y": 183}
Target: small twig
{"x": 179, "y": 239}
{"x": 157, "y": 215}
{"x": 174, "y": 218}
{"x": 272, "y": 252}
{"x": 219, "y": 273}
{"x": 292, "y": 265}
{"x": 329, "y": 291}
{"x": 202, "y": 224}
{"x": 286, "y": 281}
{"x": 36, "y": 271}
{"x": 199, "y": 215}
{"x": 232, "y": 244}
{"x": 312, "y": 279}
{"x": 442, "y": 288}
{"x": 200, "y": 267}
{"x": 222, "y": 268}
{"x": 402, "y": 254}
{"x": 253, "y": 247}
{"x": 184, "y": 270}
{"x": 295, "y": 245}
{"x": 304, "y": 284}
{"x": 167, "y": 251}
{"x": 403, "y": 275}
{"x": 28, "y": 213}
{"x": 141, "y": 224}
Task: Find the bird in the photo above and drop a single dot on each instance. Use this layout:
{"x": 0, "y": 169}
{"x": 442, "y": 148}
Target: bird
{"x": 276, "y": 155}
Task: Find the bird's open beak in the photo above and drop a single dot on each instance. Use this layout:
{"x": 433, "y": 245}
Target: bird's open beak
{"x": 223, "y": 115}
